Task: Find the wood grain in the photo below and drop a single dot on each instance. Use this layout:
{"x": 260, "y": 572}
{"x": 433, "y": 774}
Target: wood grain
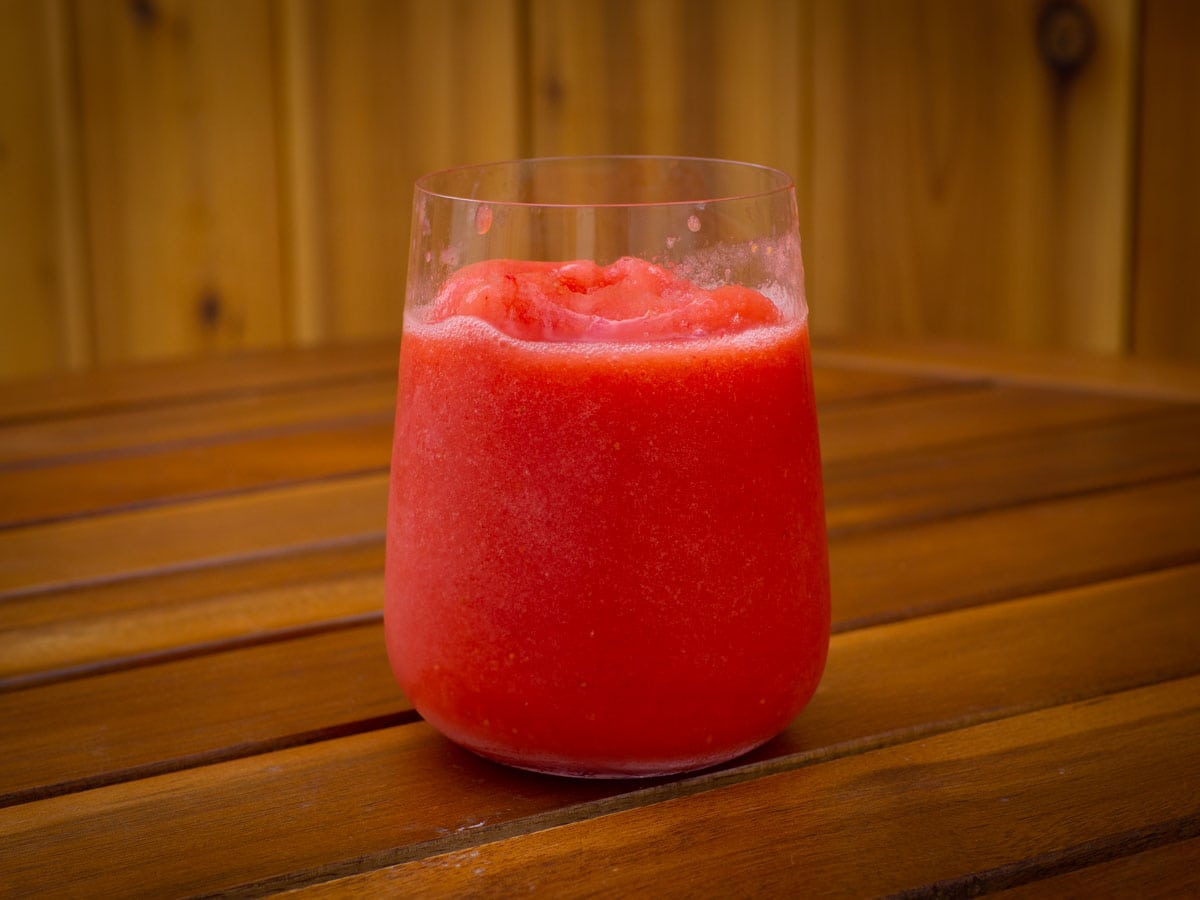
{"x": 961, "y": 187}
{"x": 111, "y": 640}
{"x": 945, "y": 480}
{"x": 1166, "y": 282}
{"x": 204, "y": 469}
{"x": 877, "y": 574}
{"x": 378, "y": 94}
{"x": 1115, "y": 375}
{"x": 203, "y": 532}
{"x": 149, "y": 384}
{"x": 1161, "y": 873}
{"x": 699, "y": 79}
{"x": 958, "y": 797}
{"x": 836, "y": 385}
{"x": 918, "y": 569}
{"x": 402, "y": 787}
{"x": 83, "y": 732}
{"x": 925, "y": 420}
{"x": 113, "y": 419}
{"x": 43, "y": 326}
{"x": 77, "y": 631}
{"x": 90, "y": 435}
{"x": 671, "y": 77}
{"x": 201, "y": 700}
{"x": 182, "y": 181}
{"x": 116, "y": 727}
{"x": 362, "y": 443}
{"x": 184, "y": 177}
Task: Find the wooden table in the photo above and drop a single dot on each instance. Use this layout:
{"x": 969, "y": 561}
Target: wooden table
{"x": 195, "y": 697}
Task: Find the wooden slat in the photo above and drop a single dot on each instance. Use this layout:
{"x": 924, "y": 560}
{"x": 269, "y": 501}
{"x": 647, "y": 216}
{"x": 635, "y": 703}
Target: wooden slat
{"x": 963, "y": 188}
{"x": 179, "y": 139}
{"x": 372, "y": 391}
{"x": 169, "y": 383}
{"x": 42, "y": 316}
{"x": 403, "y": 788}
{"x": 206, "y": 469}
{"x": 1166, "y": 282}
{"x": 1164, "y": 872}
{"x": 588, "y": 86}
{"x": 835, "y": 385}
{"x": 113, "y": 640}
{"x": 929, "y": 566}
{"x": 941, "y": 481}
{"x": 1106, "y": 373}
{"x": 41, "y": 557}
{"x": 922, "y": 421}
{"x": 379, "y": 93}
{"x": 362, "y": 444}
{"x": 360, "y": 387}
{"x": 125, "y": 430}
{"x": 877, "y": 575}
{"x": 950, "y": 813}
{"x": 613, "y": 77}
{"x": 100, "y": 626}
{"x": 114, "y": 727}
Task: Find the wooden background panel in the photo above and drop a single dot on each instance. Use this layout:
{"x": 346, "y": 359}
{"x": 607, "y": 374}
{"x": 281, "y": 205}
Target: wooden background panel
{"x": 1166, "y": 297}
{"x": 377, "y": 93}
{"x": 707, "y": 78}
{"x": 41, "y": 299}
{"x": 181, "y": 177}
{"x": 963, "y": 188}
{"x": 699, "y": 78}
{"x": 179, "y": 141}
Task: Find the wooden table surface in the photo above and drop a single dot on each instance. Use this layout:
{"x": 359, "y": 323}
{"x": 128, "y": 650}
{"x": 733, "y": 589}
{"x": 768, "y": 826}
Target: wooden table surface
{"x": 195, "y": 697}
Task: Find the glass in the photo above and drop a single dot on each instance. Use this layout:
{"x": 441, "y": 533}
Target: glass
{"x": 606, "y": 550}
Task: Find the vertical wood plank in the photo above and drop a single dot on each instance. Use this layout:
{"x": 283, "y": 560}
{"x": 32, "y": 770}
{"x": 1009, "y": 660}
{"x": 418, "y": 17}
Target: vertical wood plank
{"x": 690, "y": 77}
{"x": 179, "y": 125}
{"x": 964, "y": 188}
{"x": 77, "y": 320}
{"x": 43, "y": 324}
{"x": 380, "y": 92}
{"x": 1166, "y": 276}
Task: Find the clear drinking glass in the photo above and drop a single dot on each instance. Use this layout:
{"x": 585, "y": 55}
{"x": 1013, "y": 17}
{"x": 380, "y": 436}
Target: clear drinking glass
{"x": 606, "y": 550}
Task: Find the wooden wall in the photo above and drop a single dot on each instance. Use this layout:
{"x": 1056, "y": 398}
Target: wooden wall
{"x": 181, "y": 177}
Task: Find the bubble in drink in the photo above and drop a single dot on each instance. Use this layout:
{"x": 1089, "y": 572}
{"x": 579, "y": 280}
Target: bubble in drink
{"x": 693, "y": 223}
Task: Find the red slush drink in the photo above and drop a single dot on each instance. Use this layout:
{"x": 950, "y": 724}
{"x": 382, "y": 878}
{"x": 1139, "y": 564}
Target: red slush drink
{"x": 606, "y": 545}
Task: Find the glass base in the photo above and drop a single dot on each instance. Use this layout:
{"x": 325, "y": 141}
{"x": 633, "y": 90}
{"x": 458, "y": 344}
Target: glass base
{"x": 616, "y": 770}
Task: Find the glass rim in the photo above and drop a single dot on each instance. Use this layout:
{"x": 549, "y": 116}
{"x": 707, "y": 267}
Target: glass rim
{"x": 785, "y": 182}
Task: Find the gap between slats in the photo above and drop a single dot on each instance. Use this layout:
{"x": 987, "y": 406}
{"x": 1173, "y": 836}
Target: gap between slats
{"x": 209, "y": 758}
{"x": 1071, "y": 859}
{"x": 870, "y": 571}
{"x": 840, "y": 476}
{"x": 223, "y": 439}
{"x": 632, "y": 843}
{"x": 168, "y": 463}
{"x": 155, "y": 385}
{"x": 1033, "y": 621}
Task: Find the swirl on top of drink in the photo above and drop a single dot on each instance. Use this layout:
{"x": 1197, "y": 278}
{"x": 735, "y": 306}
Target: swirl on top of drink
{"x": 629, "y": 300}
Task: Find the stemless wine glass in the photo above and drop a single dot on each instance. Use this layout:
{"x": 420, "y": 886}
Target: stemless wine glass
{"x": 606, "y": 549}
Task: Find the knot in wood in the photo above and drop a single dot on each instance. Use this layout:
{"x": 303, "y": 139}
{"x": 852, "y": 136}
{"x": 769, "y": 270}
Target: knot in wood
{"x": 1066, "y": 36}
{"x": 208, "y": 309}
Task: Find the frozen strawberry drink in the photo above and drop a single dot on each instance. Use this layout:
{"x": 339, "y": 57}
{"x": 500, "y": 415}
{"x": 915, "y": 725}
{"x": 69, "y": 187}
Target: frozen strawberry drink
{"x": 606, "y": 541}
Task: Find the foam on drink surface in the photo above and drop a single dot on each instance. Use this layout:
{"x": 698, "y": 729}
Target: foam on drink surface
{"x": 629, "y": 302}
